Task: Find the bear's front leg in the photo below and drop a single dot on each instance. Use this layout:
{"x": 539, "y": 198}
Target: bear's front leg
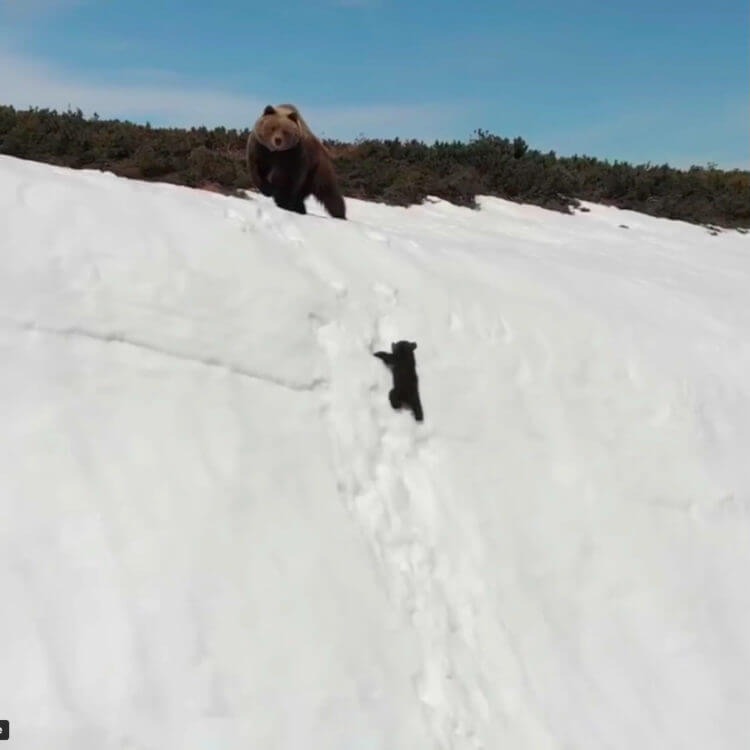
{"x": 387, "y": 357}
{"x": 289, "y": 202}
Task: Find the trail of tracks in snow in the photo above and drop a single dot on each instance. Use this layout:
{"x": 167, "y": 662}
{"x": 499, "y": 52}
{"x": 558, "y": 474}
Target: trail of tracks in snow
{"x": 383, "y": 462}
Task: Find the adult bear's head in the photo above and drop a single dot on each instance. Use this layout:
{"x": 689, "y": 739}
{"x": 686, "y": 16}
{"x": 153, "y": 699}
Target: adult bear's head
{"x": 278, "y": 128}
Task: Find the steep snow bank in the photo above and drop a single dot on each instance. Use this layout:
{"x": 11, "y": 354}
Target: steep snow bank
{"x": 214, "y": 531}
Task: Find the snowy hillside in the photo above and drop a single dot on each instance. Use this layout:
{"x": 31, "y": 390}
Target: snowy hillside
{"x": 215, "y": 533}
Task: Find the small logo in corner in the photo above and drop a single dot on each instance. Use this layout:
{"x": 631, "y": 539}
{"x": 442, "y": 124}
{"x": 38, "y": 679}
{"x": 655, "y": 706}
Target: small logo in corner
{"x": 4, "y": 729}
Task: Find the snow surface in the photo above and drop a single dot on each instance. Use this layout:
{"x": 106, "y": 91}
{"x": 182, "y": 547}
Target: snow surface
{"x": 215, "y": 533}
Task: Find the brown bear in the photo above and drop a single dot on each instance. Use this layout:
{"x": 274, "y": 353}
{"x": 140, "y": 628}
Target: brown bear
{"x": 286, "y": 161}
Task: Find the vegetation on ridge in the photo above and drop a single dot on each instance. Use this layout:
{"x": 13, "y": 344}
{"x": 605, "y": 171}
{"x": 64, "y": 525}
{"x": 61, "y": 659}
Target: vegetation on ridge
{"x": 392, "y": 171}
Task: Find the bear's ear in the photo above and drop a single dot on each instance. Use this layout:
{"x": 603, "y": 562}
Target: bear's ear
{"x": 412, "y": 345}
{"x": 293, "y": 116}
{"x": 269, "y": 110}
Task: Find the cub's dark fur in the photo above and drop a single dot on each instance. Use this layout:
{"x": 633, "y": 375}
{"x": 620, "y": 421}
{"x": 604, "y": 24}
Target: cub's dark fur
{"x": 405, "y": 391}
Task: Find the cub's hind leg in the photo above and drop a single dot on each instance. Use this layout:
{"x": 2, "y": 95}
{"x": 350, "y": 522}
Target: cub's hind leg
{"x": 394, "y": 399}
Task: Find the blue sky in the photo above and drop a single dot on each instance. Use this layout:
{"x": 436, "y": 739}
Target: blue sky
{"x": 642, "y": 81}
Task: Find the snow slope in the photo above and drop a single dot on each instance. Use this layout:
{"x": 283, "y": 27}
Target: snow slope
{"x": 215, "y": 533}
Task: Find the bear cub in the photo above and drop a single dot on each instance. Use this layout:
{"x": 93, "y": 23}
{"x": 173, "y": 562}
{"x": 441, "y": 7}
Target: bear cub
{"x": 286, "y": 161}
{"x": 405, "y": 390}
